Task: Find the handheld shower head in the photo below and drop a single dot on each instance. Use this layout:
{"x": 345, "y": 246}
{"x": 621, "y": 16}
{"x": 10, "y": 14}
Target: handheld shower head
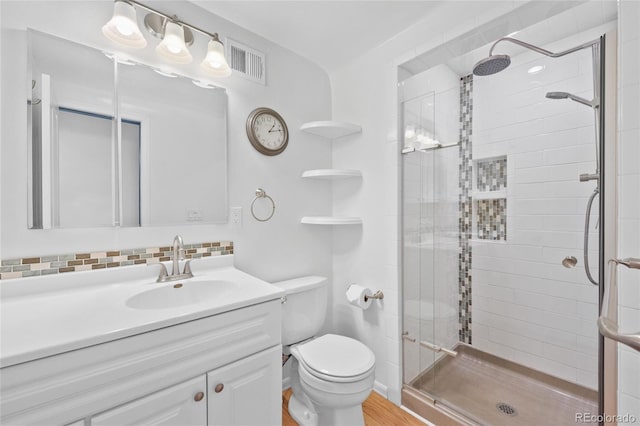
{"x": 565, "y": 95}
{"x": 491, "y": 65}
{"x": 557, "y": 95}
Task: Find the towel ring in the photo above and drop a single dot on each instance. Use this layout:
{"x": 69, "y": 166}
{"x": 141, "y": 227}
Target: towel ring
{"x": 260, "y": 193}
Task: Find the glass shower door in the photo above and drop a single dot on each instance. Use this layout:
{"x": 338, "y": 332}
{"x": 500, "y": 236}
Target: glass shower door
{"x": 430, "y": 244}
{"x": 418, "y": 238}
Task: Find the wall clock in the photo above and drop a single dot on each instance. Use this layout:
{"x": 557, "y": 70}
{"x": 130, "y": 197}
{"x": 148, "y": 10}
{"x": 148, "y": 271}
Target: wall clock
{"x": 267, "y": 131}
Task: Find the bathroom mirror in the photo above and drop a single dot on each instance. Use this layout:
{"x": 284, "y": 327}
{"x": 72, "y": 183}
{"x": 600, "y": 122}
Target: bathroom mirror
{"x": 115, "y": 143}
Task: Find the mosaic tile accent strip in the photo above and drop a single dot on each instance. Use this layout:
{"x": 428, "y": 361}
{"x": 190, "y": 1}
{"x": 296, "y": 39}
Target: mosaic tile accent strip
{"x": 63, "y": 263}
{"x": 491, "y": 219}
{"x": 491, "y": 175}
{"x": 465, "y": 207}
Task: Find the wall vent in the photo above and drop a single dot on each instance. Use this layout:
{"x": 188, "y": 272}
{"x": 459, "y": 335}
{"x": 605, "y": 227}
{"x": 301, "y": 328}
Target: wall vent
{"x": 245, "y": 61}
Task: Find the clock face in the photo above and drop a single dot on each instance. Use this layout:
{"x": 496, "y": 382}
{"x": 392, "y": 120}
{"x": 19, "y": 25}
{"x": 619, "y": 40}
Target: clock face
{"x": 267, "y": 131}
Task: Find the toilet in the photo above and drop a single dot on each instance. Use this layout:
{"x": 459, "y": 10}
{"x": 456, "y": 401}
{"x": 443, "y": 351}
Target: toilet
{"x": 331, "y": 375}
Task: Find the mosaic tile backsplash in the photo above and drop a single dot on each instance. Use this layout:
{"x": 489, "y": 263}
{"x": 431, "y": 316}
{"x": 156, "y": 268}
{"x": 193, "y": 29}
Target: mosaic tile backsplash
{"x": 492, "y": 219}
{"x": 465, "y": 205}
{"x": 491, "y": 175}
{"x": 58, "y": 264}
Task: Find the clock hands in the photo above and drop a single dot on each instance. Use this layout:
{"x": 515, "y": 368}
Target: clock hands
{"x": 272, "y": 131}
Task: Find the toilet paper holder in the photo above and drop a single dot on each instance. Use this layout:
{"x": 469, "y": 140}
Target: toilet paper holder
{"x": 377, "y": 295}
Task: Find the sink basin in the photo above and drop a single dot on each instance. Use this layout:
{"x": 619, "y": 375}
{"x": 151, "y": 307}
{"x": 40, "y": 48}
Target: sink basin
{"x": 180, "y": 293}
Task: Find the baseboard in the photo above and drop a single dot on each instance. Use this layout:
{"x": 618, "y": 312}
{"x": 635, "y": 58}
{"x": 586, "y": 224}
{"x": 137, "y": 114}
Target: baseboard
{"x": 381, "y": 389}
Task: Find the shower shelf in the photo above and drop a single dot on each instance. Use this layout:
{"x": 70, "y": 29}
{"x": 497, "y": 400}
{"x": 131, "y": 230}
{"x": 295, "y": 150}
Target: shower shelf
{"x": 330, "y": 129}
{"x": 331, "y": 174}
{"x": 489, "y": 195}
{"x": 331, "y": 220}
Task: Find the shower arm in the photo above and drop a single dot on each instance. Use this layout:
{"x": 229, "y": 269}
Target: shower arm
{"x": 541, "y": 50}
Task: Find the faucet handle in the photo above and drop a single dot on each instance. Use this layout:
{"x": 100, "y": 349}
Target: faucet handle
{"x": 163, "y": 271}
{"x": 187, "y": 268}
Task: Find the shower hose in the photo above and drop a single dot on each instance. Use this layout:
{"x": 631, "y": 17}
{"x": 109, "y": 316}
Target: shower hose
{"x": 587, "y": 219}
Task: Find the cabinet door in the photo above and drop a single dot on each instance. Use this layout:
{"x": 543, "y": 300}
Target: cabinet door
{"x": 180, "y": 405}
{"x": 247, "y": 392}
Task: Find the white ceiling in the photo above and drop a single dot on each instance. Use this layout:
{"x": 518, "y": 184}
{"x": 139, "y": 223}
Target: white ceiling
{"x": 329, "y": 33}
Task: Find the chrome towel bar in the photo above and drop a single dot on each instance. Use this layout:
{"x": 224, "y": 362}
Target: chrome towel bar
{"x": 607, "y": 326}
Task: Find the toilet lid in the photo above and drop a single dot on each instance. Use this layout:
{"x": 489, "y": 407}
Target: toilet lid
{"x": 337, "y": 356}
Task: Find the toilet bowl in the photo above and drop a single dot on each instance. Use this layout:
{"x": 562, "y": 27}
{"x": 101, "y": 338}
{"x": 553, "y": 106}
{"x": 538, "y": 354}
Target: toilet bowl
{"x": 335, "y": 375}
{"x": 331, "y": 375}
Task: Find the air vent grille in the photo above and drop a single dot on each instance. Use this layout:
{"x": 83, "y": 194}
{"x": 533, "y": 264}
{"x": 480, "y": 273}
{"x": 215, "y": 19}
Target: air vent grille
{"x": 245, "y": 61}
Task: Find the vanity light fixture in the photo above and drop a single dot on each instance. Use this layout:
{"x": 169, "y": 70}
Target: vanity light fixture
{"x": 123, "y": 26}
{"x": 215, "y": 63}
{"x": 173, "y": 47}
{"x": 176, "y": 35}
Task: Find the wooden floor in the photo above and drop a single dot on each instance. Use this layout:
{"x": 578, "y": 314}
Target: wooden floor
{"x": 377, "y": 412}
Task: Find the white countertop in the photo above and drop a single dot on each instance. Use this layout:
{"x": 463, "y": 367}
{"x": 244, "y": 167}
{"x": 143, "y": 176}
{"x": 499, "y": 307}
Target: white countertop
{"x": 44, "y": 316}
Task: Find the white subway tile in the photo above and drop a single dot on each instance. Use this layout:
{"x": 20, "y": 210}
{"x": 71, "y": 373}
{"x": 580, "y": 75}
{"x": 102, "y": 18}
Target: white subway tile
{"x": 629, "y": 151}
{"x": 629, "y": 199}
{"x": 629, "y": 405}
{"x": 629, "y": 16}
{"x": 629, "y": 107}
{"x": 630, "y": 372}
{"x": 630, "y": 70}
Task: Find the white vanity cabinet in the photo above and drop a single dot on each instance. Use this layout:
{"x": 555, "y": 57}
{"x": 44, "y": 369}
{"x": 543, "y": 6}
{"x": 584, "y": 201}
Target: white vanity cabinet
{"x": 156, "y": 377}
{"x": 184, "y": 404}
{"x": 247, "y": 392}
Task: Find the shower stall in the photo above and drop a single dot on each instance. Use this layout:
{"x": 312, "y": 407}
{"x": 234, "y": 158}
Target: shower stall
{"x": 501, "y": 252}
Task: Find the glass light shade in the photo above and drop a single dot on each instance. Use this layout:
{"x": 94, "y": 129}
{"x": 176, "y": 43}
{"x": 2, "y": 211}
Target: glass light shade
{"x": 215, "y": 63}
{"x": 173, "y": 47}
{"x": 122, "y": 28}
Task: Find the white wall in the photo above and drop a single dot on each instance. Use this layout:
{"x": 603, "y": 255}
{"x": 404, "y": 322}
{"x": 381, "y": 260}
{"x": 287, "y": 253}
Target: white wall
{"x": 299, "y": 90}
{"x": 629, "y": 201}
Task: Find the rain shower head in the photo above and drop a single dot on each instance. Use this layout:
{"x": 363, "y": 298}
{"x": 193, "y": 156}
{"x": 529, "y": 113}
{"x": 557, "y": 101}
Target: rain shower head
{"x": 565, "y": 95}
{"x": 491, "y": 65}
{"x": 496, "y": 63}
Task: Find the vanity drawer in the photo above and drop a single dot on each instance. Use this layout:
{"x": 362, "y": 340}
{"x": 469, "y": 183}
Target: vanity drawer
{"x": 76, "y": 384}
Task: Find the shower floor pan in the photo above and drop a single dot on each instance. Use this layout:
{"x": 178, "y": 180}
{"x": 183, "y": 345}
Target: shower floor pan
{"x": 493, "y": 391}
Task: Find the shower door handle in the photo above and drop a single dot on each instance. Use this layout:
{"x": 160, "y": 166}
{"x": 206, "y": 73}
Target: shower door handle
{"x": 437, "y": 348}
{"x": 607, "y": 326}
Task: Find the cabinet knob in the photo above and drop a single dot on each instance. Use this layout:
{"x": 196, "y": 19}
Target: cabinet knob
{"x": 219, "y": 387}
{"x": 198, "y": 397}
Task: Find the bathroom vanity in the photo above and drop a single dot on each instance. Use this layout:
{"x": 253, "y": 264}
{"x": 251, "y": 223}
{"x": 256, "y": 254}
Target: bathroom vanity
{"x": 127, "y": 350}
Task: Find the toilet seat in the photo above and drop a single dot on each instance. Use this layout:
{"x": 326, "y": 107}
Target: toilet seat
{"x": 335, "y": 358}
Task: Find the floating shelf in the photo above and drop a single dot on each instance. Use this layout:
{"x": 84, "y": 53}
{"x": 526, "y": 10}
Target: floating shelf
{"x": 331, "y": 220}
{"x": 330, "y": 129}
{"x": 331, "y": 174}
{"x": 489, "y": 195}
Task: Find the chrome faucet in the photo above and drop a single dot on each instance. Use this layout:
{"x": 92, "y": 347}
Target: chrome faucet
{"x": 178, "y": 255}
{"x": 178, "y": 249}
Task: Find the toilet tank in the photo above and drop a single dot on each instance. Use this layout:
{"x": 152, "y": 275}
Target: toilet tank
{"x": 305, "y": 309}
